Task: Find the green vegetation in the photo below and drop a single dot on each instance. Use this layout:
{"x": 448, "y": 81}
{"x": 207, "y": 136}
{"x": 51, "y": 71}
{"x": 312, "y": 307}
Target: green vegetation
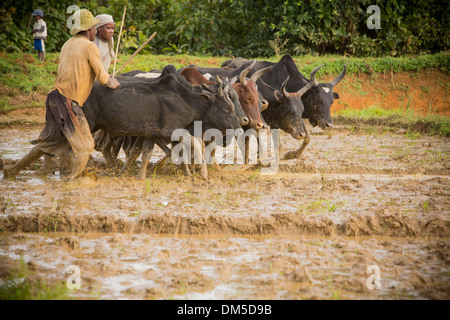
{"x": 21, "y": 286}
{"x": 246, "y": 28}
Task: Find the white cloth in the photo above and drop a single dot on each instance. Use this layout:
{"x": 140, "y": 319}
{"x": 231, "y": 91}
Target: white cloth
{"x": 106, "y": 53}
{"x": 104, "y": 18}
{"x": 40, "y": 34}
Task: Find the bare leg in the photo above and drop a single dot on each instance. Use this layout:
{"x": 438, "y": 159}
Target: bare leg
{"x": 32, "y": 156}
{"x": 47, "y": 166}
{"x": 82, "y": 145}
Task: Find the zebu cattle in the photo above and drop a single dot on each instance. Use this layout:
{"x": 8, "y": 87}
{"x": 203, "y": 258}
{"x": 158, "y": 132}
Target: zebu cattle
{"x": 317, "y": 101}
{"x": 285, "y": 108}
{"x": 247, "y": 91}
{"x": 154, "y": 110}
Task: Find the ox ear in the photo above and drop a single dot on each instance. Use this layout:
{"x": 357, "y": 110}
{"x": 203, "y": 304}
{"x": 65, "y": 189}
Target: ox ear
{"x": 335, "y": 95}
{"x": 208, "y": 95}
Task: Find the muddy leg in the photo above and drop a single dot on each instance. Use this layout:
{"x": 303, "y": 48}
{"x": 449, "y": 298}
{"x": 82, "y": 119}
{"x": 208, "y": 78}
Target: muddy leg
{"x": 118, "y": 141}
{"x": 135, "y": 152}
{"x": 298, "y": 153}
{"x": 32, "y": 156}
{"x": 82, "y": 145}
{"x": 147, "y": 150}
{"x": 47, "y": 166}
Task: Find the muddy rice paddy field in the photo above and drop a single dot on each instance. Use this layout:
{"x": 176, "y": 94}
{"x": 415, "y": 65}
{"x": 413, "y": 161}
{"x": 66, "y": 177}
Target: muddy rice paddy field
{"x": 359, "y": 197}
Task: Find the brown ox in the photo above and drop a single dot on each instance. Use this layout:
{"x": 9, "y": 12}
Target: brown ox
{"x": 247, "y": 90}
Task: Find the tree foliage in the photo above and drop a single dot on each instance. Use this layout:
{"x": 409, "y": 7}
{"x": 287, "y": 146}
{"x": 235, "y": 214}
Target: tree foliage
{"x": 246, "y": 28}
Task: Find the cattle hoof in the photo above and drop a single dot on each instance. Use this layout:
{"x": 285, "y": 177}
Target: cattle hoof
{"x": 186, "y": 170}
{"x": 291, "y": 155}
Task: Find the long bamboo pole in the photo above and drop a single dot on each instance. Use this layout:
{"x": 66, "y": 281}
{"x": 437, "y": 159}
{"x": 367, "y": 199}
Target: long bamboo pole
{"x": 135, "y": 53}
{"x": 118, "y": 41}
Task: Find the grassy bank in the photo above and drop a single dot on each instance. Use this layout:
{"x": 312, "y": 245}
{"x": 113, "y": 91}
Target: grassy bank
{"x": 371, "y": 92}
{"x": 395, "y": 118}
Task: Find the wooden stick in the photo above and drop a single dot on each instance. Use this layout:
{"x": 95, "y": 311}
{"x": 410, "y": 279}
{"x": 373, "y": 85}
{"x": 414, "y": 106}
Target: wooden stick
{"x": 135, "y": 53}
{"x": 118, "y": 41}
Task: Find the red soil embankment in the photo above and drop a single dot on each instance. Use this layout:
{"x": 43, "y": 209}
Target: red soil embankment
{"x": 425, "y": 92}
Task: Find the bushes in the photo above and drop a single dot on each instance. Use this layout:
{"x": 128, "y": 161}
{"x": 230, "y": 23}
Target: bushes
{"x": 248, "y": 28}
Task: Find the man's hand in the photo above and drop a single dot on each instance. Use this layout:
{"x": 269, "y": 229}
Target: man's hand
{"x": 112, "y": 83}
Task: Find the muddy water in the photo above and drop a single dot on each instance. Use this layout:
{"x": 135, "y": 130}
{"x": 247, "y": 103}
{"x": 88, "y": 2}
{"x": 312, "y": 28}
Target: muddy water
{"x": 356, "y": 199}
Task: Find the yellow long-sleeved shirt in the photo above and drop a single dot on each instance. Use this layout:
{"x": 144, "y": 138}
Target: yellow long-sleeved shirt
{"x": 79, "y": 66}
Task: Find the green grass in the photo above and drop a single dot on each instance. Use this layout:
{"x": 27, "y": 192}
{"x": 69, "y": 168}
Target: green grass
{"x": 396, "y": 118}
{"x": 21, "y": 286}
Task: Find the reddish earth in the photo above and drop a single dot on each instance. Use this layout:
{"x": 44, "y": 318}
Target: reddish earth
{"x": 425, "y": 92}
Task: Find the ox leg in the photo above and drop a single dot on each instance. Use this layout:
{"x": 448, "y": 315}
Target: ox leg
{"x": 198, "y": 149}
{"x": 134, "y": 153}
{"x": 298, "y": 153}
{"x": 147, "y": 150}
{"x": 107, "y": 151}
{"x": 203, "y": 166}
{"x": 127, "y": 145}
{"x": 117, "y": 144}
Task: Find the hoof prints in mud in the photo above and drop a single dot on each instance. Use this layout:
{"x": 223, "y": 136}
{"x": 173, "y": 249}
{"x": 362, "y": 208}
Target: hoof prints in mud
{"x": 381, "y": 223}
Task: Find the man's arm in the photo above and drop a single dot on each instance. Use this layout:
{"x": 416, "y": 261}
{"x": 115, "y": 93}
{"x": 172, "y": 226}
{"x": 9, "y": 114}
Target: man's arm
{"x": 40, "y": 28}
{"x": 97, "y": 66}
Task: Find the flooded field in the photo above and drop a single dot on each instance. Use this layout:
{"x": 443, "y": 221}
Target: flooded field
{"x": 361, "y": 203}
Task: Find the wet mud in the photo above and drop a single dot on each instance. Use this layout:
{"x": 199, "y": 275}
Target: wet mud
{"x": 357, "y": 201}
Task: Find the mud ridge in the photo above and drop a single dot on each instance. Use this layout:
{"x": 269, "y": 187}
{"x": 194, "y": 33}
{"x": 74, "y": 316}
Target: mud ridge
{"x": 381, "y": 223}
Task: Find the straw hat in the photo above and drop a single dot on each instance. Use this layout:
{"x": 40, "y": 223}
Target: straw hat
{"x": 86, "y": 21}
{"x": 104, "y": 19}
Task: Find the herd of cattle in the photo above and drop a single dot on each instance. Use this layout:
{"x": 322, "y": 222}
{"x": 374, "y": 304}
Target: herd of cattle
{"x": 149, "y": 106}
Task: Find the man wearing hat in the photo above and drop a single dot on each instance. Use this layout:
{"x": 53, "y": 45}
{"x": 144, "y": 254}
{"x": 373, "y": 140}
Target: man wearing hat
{"x": 39, "y": 33}
{"x": 79, "y": 66}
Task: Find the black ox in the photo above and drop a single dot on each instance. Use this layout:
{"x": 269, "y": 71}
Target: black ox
{"x": 154, "y": 110}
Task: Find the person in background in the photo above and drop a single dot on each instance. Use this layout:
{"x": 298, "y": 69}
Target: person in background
{"x": 39, "y": 33}
{"x": 105, "y": 43}
{"x": 104, "y": 39}
{"x": 65, "y": 123}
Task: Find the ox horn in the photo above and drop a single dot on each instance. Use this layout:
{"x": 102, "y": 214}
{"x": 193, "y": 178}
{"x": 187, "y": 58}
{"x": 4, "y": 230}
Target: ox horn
{"x": 338, "y": 79}
{"x": 245, "y": 72}
{"x": 283, "y": 88}
{"x": 312, "y": 82}
{"x": 316, "y": 83}
{"x": 259, "y": 74}
{"x": 220, "y": 83}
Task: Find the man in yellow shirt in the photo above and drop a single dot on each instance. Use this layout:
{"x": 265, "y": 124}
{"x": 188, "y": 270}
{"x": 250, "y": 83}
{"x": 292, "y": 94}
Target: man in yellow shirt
{"x": 79, "y": 66}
